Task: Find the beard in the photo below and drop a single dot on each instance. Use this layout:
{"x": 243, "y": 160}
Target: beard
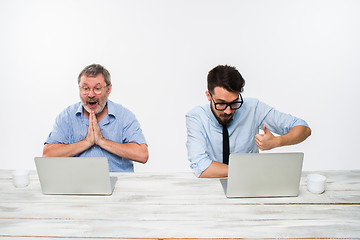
{"x": 222, "y": 118}
{"x": 90, "y": 103}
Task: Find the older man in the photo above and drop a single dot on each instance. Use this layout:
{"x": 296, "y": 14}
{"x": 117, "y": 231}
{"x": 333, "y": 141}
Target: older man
{"x": 97, "y": 127}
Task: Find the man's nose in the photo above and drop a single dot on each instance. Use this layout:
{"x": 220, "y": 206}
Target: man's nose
{"x": 227, "y": 110}
{"x": 91, "y": 93}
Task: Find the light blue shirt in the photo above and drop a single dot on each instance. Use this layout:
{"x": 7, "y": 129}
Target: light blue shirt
{"x": 204, "y": 133}
{"x": 120, "y": 125}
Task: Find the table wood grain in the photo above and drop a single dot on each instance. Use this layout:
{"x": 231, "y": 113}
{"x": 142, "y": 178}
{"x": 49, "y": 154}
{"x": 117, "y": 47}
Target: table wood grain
{"x": 180, "y": 206}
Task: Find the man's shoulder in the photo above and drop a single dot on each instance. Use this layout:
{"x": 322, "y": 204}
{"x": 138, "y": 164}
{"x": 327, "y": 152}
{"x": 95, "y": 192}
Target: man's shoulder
{"x": 198, "y": 111}
{"x": 254, "y": 103}
{"x": 251, "y": 101}
{"x": 68, "y": 114}
{"x": 114, "y": 106}
{"x": 251, "y": 104}
{"x": 118, "y": 110}
{"x": 71, "y": 109}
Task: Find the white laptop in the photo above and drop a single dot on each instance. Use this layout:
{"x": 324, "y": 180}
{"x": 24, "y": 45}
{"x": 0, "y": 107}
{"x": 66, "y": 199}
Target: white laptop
{"x": 263, "y": 175}
{"x": 75, "y": 175}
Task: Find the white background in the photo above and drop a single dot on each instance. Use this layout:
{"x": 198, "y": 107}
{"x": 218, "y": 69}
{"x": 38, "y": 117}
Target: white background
{"x": 302, "y": 57}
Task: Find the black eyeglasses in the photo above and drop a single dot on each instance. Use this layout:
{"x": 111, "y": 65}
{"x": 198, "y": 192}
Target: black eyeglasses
{"x": 233, "y": 105}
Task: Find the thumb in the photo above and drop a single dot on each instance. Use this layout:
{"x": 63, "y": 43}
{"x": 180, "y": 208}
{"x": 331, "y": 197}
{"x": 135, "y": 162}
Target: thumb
{"x": 265, "y": 129}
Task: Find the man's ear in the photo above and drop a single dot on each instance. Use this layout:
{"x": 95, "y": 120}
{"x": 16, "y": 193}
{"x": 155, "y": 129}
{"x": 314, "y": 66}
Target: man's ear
{"x": 109, "y": 89}
{"x": 208, "y": 95}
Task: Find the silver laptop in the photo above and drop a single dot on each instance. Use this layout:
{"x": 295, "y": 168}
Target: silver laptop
{"x": 263, "y": 175}
{"x": 75, "y": 175}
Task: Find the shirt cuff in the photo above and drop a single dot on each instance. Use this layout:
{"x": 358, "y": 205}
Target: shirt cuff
{"x": 201, "y": 166}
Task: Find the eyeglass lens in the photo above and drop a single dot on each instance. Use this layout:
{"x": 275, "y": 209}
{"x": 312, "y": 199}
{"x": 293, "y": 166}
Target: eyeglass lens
{"x": 86, "y": 90}
{"x": 223, "y": 106}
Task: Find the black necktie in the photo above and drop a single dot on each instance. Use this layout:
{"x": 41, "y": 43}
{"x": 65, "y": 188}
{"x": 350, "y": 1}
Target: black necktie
{"x": 226, "y": 148}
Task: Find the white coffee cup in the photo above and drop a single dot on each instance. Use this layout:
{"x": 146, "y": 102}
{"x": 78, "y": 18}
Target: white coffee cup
{"x": 316, "y": 183}
{"x": 21, "y": 178}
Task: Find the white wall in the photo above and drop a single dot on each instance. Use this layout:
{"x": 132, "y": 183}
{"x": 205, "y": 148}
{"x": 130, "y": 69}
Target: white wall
{"x": 303, "y": 57}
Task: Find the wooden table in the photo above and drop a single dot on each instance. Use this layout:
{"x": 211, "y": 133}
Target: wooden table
{"x": 178, "y": 205}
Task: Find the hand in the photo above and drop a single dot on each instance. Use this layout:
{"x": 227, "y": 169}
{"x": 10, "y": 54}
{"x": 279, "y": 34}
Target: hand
{"x": 266, "y": 141}
{"x": 90, "y": 138}
{"x": 95, "y": 128}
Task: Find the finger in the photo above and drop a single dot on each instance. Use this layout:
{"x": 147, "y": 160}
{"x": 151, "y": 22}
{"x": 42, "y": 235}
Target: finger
{"x": 91, "y": 127}
{"x": 91, "y": 117}
{"x": 94, "y": 118}
{"x": 259, "y": 137}
{"x": 90, "y": 121}
{"x": 258, "y": 142}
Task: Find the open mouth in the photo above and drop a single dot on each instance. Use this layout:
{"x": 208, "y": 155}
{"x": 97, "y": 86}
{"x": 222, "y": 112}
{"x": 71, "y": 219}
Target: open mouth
{"x": 92, "y": 104}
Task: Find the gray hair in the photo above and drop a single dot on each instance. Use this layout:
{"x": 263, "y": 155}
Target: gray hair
{"x": 95, "y": 69}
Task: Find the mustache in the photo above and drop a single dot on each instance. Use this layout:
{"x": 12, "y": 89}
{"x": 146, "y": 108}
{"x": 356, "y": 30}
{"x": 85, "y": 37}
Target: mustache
{"x": 94, "y": 99}
{"x": 226, "y": 115}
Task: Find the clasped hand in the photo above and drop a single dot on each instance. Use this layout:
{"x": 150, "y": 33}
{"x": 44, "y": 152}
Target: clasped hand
{"x": 94, "y": 135}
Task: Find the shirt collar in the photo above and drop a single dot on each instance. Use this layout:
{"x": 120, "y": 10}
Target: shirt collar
{"x": 111, "y": 108}
{"x": 211, "y": 116}
{"x": 79, "y": 110}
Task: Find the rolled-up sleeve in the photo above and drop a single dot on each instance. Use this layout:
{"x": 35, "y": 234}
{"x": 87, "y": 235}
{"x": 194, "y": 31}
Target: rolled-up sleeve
{"x": 132, "y": 131}
{"x": 60, "y": 131}
{"x": 276, "y": 121}
{"x": 196, "y": 144}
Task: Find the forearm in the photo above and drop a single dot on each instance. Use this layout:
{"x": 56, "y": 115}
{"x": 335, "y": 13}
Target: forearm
{"x": 215, "y": 170}
{"x": 65, "y": 150}
{"x": 132, "y": 151}
{"x": 296, "y": 135}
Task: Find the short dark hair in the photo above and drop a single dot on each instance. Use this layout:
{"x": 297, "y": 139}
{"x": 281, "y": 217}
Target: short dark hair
{"x": 227, "y": 77}
{"x": 95, "y": 69}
